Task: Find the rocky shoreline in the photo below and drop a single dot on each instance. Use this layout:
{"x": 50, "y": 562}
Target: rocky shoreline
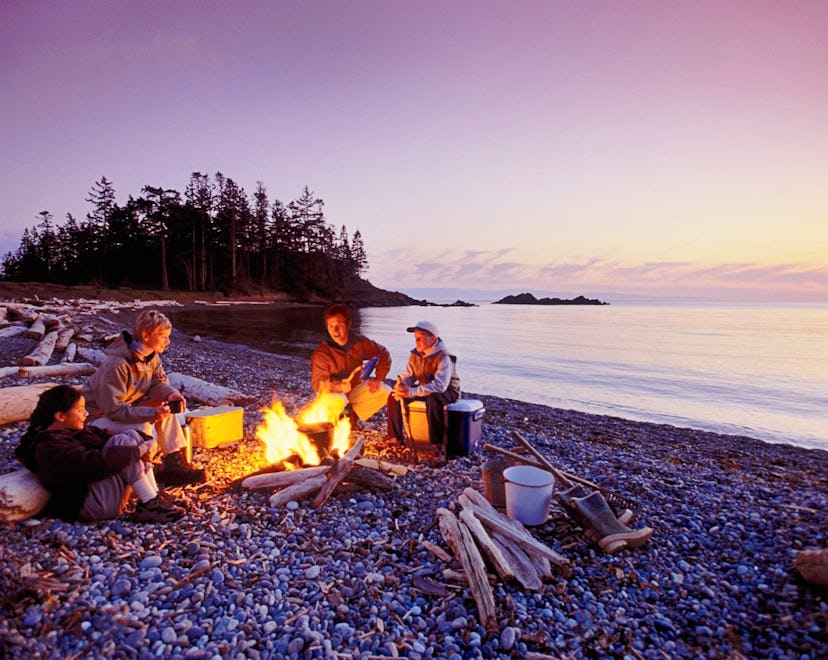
{"x": 237, "y": 578}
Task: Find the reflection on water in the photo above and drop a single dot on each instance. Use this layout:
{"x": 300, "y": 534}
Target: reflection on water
{"x": 287, "y": 330}
{"x": 751, "y": 370}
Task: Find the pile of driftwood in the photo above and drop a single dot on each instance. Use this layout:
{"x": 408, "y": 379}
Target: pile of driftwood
{"x": 479, "y": 531}
{"x": 321, "y": 481}
{"x": 54, "y": 327}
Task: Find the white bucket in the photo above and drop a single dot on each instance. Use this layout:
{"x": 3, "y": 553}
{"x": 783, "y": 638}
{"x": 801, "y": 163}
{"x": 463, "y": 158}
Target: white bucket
{"x": 528, "y": 493}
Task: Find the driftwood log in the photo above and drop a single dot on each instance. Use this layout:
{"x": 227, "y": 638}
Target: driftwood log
{"x": 458, "y": 537}
{"x": 52, "y": 370}
{"x": 17, "y": 403}
{"x": 298, "y": 490}
{"x": 204, "y": 392}
{"x": 5, "y": 372}
{"x": 42, "y": 352}
{"x": 338, "y": 472}
{"x": 69, "y": 353}
{"x": 21, "y": 496}
{"x": 813, "y": 566}
{"x": 282, "y": 479}
{"x": 63, "y": 339}
{"x": 12, "y": 331}
{"x": 91, "y": 355}
{"x": 37, "y": 329}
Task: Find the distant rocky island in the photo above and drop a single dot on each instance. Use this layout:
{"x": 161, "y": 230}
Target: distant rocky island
{"x": 529, "y": 299}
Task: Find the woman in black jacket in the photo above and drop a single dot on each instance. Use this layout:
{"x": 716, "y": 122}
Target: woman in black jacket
{"x": 88, "y": 472}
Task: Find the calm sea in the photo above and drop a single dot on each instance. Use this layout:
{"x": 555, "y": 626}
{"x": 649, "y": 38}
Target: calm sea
{"x": 753, "y": 370}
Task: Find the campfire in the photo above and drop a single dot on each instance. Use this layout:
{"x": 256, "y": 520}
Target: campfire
{"x": 319, "y": 432}
{"x": 314, "y": 455}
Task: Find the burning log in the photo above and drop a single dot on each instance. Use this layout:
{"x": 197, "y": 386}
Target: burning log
{"x": 457, "y": 535}
{"x": 339, "y": 471}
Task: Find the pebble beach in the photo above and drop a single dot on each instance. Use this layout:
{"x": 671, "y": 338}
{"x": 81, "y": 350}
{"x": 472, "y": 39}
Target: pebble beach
{"x": 237, "y": 578}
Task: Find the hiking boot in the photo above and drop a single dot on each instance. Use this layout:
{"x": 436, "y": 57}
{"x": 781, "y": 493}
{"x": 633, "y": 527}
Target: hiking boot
{"x": 176, "y": 470}
{"x": 157, "y": 511}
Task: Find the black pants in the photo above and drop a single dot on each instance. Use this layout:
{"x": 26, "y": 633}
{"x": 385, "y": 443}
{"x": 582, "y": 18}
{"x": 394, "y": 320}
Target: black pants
{"x": 435, "y": 414}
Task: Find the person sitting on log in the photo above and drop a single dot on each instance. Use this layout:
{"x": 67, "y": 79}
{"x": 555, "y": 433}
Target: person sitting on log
{"x": 429, "y": 376}
{"x": 88, "y": 471}
{"x": 337, "y": 362}
{"x": 130, "y": 390}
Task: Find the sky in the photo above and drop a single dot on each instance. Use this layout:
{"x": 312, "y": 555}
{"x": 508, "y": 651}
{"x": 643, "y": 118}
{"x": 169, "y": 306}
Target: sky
{"x": 637, "y": 148}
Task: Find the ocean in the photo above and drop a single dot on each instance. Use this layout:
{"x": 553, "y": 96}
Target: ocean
{"x": 754, "y": 370}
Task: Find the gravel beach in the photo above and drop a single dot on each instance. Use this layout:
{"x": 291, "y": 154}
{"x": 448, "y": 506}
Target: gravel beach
{"x": 238, "y": 579}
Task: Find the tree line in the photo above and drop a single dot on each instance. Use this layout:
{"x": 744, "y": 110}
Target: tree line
{"x": 213, "y": 238}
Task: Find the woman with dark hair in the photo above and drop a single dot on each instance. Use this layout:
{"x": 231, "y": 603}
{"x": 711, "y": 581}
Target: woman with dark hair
{"x": 88, "y": 472}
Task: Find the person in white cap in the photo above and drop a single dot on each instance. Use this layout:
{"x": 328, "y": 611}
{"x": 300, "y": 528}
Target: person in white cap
{"x": 431, "y": 376}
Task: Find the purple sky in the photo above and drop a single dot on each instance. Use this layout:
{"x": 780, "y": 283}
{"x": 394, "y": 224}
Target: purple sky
{"x": 656, "y": 148}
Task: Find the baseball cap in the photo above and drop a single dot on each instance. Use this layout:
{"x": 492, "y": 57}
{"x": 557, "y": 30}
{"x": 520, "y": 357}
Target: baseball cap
{"x": 428, "y": 326}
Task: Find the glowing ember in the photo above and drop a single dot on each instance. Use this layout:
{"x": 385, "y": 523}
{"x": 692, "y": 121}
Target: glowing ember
{"x": 282, "y": 438}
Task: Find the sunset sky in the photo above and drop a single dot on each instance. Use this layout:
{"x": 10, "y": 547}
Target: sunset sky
{"x": 598, "y": 147}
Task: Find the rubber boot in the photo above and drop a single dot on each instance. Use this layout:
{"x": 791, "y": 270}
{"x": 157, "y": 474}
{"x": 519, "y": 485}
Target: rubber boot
{"x": 601, "y": 521}
{"x": 177, "y": 471}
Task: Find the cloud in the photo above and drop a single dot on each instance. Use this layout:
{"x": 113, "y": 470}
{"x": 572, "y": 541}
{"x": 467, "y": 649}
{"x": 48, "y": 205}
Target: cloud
{"x": 503, "y": 269}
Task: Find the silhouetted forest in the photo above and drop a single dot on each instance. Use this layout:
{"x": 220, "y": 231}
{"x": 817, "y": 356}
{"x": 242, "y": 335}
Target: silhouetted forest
{"x": 213, "y": 238}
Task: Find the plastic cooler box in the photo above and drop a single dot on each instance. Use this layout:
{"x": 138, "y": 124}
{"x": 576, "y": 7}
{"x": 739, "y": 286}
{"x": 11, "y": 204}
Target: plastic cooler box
{"x": 464, "y": 426}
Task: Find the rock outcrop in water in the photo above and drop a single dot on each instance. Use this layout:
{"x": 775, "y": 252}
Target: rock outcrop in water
{"x": 529, "y": 299}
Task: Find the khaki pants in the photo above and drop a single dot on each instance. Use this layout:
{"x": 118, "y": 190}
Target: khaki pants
{"x": 106, "y": 497}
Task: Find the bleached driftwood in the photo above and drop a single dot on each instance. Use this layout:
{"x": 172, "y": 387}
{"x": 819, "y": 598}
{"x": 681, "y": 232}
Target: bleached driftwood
{"x": 69, "y": 353}
{"x": 204, "y": 392}
{"x": 64, "y": 369}
{"x": 23, "y": 313}
{"x": 339, "y": 471}
{"x": 21, "y": 496}
{"x": 91, "y": 355}
{"x": 17, "y": 403}
{"x": 457, "y": 535}
{"x": 37, "y": 329}
{"x": 12, "y": 331}
{"x": 488, "y": 546}
{"x": 282, "y": 479}
{"x": 298, "y": 490}
{"x": 509, "y": 528}
{"x": 383, "y": 466}
{"x": 813, "y": 566}
{"x": 63, "y": 339}
{"x": 5, "y": 372}
{"x": 42, "y": 352}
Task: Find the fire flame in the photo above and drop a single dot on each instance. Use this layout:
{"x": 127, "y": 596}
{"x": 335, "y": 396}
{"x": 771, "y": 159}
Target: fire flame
{"x": 281, "y": 436}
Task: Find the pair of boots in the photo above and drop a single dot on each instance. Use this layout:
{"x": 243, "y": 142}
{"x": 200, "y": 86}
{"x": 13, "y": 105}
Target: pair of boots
{"x": 160, "y": 510}
{"x": 176, "y": 470}
{"x": 601, "y": 525}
